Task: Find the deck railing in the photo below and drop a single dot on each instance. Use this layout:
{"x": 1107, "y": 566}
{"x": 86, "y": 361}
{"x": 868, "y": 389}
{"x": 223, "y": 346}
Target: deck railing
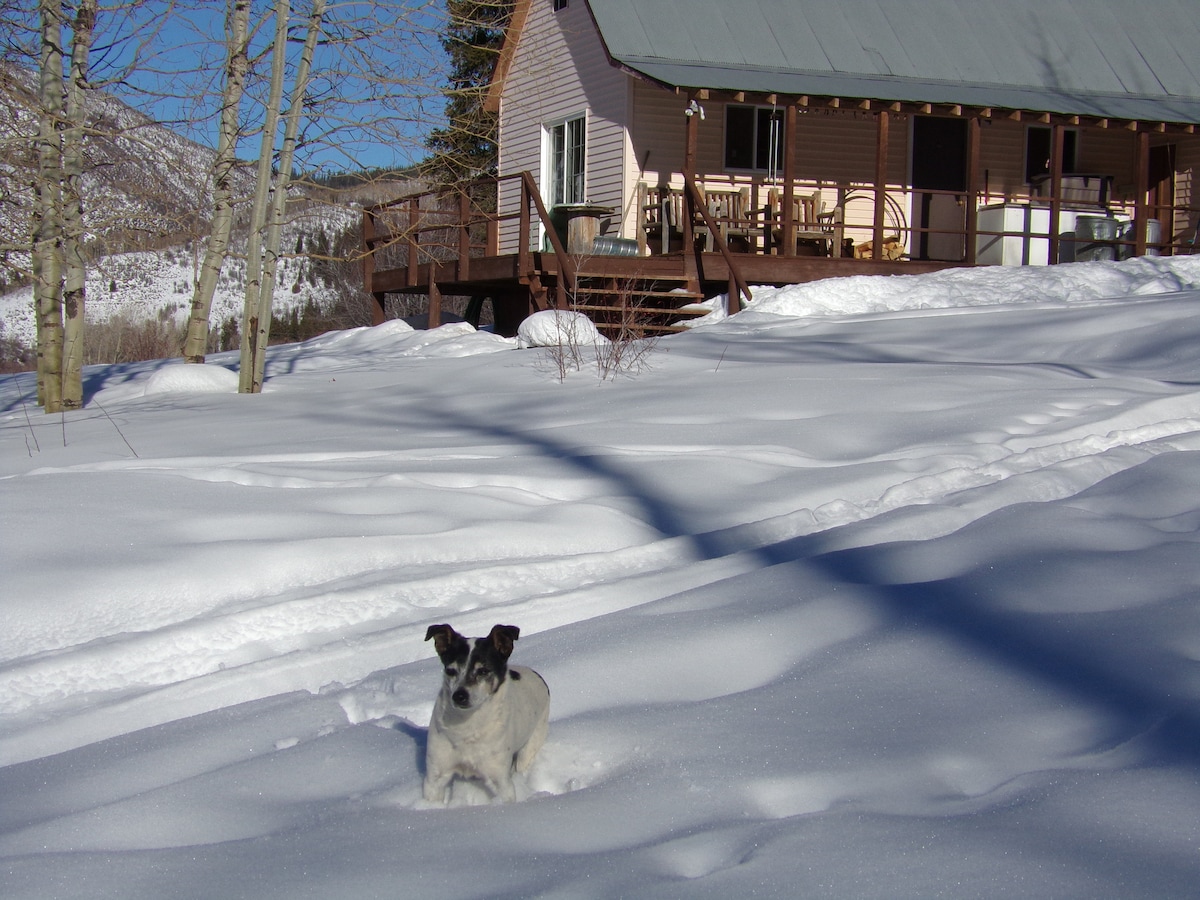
{"x": 451, "y": 226}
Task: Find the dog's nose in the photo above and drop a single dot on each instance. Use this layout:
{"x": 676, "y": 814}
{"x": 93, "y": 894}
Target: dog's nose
{"x": 461, "y": 698}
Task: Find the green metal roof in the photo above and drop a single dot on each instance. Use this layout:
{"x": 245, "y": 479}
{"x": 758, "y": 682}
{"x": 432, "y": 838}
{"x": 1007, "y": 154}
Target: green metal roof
{"x": 1120, "y": 60}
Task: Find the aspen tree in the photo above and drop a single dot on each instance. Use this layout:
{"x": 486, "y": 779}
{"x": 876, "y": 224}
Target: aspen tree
{"x": 75, "y": 266}
{"x": 48, "y": 230}
{"x": 279, "y": 195}
{"x": 224, "y": 168}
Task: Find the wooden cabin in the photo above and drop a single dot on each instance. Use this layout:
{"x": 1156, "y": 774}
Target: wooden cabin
{"x": 654, "y": 152}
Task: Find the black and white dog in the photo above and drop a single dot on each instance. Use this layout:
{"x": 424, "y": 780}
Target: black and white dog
{"x": 489, "y": 719}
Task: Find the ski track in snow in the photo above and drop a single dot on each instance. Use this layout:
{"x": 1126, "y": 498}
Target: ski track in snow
{"x": 395, "y": 594}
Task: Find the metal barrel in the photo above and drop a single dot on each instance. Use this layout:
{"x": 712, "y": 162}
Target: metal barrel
{"x": 614, "y": 246}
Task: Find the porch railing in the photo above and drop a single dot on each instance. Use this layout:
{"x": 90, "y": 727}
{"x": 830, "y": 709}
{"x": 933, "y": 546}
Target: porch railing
{"x": 450, "y": 226}
{"x": 453, "y": 226}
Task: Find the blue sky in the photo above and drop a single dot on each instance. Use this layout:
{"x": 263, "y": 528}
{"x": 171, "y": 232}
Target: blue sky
{"x": 358, "y": 123}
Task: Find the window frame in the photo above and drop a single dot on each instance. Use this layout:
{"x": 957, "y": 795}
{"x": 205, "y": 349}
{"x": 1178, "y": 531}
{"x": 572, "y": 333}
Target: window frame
{"x": 766, "y": 119}
{"x": 564, "y": 150}
{"x": 1070, "y": 151}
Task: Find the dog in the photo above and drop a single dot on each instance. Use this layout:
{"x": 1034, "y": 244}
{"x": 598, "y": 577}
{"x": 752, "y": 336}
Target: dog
{"x": 489, "y": 719}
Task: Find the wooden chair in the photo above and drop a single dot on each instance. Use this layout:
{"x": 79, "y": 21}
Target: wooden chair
{"x": 662, "y": 212}
{"x": 729, "y": 209}
{"x": 817, "y": 231}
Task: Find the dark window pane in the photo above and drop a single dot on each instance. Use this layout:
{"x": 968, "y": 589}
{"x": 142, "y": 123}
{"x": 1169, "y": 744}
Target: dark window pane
{"x": 739, "y": 137}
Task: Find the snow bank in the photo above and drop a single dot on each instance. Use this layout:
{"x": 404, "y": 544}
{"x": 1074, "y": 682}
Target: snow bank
{"x": 984, "y": 286}
{"x": 192, "y": 379}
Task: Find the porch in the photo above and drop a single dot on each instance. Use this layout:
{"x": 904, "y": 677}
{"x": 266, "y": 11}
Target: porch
{"x": 691, "y": 246}
{"x": 695, "y": 238}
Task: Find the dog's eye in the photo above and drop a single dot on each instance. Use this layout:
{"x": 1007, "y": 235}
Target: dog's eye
{"x": 482, "y": 672}
{"x": 451, "y": 671}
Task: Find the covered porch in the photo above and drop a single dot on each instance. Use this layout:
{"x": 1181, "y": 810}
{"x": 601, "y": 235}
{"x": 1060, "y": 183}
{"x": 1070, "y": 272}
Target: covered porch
{"x": 684, "y": 236}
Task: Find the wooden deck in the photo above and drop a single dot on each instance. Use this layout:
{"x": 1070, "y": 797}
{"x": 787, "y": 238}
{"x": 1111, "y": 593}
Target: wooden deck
{"x": 415, "y": 248}
{"x": 517, "y": 292}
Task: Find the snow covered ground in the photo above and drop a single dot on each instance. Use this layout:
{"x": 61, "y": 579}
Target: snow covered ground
{"x": 882, "y": 588}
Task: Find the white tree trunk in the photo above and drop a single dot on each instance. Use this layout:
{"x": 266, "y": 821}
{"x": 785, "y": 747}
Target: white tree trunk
{"x": 258, "y": 213}
{"x": 47, "y": 238}
{"x": 224, "y": 168}
{"x": 75, "y": 275}
{"x": 278, "y": 210}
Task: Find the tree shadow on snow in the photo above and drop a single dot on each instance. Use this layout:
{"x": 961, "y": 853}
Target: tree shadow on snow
{"x": 1052, "y": 649}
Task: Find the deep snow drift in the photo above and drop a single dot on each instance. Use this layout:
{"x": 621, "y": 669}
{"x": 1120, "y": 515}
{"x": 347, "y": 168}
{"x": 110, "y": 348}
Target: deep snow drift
{"x": 882, "y": 588}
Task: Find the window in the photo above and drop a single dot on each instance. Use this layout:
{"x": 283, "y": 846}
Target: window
{"x": 754, "y": 138}
{"x": 1037, "y": 151}
{"x": 560, "y": 4}
{"x": 566, "y": 151}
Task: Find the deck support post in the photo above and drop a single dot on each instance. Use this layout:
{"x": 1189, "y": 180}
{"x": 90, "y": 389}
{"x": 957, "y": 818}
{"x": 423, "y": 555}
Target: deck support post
{"x": 1141, "y": 158}
{"x": 435, "y": 298}
{"x": 1056, "y": 174}
{"x": 973, "y": 165}
{"x": 789, "y": 180}
{"x": 881, "y": 167}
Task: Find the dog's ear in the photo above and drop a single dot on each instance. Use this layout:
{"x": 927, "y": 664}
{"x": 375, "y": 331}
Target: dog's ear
{"x": 443, "y": 636}
{"x": 502, "y": 638}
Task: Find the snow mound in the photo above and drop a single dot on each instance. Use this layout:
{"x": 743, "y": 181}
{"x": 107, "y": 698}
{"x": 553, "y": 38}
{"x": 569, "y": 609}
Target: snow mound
{"x": 192, "y": 379}
{"x": 398, "y": 338}
{"x": 556, "y": 327}
{"x": 984, "y": 286}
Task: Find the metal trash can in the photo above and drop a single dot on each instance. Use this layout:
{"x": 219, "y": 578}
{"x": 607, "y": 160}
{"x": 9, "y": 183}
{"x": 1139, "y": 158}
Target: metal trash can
{"x": 1153, "y": 236}
{"x": 614, "y": 246}
{"x": 1091, "y": 235}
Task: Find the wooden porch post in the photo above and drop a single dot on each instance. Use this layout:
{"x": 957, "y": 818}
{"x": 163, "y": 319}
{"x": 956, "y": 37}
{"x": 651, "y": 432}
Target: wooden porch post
{"x": 881, "y": 167}
{"x": 435, "y": 298}
{"x": 414, "y": 223}
{"x": 1140, "y": 210}
{"x": 690, "y": 147}
{"x": 464, "y": 237}
{"x": 789, "y": 180}
{"x": 368, "y": 268}
{"x": 1056, "y": 173}
{"x": 973, "y": 163}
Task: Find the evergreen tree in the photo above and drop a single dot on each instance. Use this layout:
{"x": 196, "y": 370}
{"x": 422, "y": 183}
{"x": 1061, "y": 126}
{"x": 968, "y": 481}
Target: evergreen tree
{"x": 466, "y": 147}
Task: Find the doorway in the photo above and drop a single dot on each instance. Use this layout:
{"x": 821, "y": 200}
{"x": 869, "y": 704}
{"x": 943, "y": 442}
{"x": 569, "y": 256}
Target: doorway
{"x": 939, "y": 163}
{"x": 1161, "y": 199}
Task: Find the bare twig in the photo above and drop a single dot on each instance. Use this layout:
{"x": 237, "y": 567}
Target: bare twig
{"x": 28, "y": 422}
{"x": 116, "y": 426}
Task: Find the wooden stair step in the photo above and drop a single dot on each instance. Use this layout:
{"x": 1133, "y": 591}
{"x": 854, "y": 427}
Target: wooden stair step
{"x": 641, "y": 295}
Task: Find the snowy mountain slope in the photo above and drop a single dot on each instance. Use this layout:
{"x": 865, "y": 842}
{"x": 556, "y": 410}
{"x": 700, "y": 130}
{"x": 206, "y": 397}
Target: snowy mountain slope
{"x": 147, "y": 206}
{"x": 892, "y": 600}
{"x": 141, "y": 178}
{"x": 155, "y": 284}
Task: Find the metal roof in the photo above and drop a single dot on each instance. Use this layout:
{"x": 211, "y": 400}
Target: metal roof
{"x": 1109, "y": 58}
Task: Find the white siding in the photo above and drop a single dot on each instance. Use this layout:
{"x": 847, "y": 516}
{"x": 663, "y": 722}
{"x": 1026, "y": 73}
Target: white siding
{"x": 559, "y": 71}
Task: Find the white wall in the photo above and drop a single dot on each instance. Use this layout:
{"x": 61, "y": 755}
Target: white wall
{"x": 560, "y": 70}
